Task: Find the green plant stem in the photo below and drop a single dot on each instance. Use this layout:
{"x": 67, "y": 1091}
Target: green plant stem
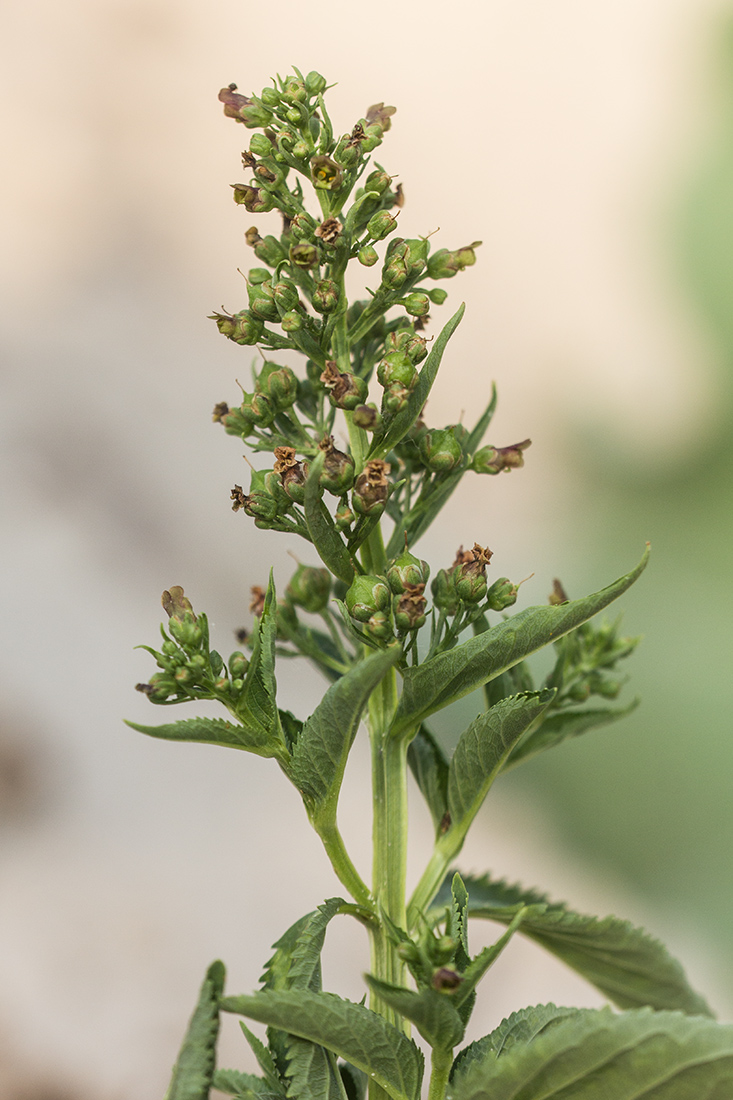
{"x": 345, "y": 870}
{"x": 446, "y": 849}
{"x": 441, "y": 1062}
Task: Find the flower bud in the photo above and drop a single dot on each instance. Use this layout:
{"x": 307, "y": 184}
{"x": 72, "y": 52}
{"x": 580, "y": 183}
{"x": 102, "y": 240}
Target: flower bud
{"x": 440, "y": 450}
{"x": 379, "y": 626}
{"x": 445, "y": 980}
{"x": 492, "y": 460}
{"x": 326, "y": 296}
{"x": 238, "y": 665}
{"x": 378, "y": 181}
{"x": 397, "y": 368}
{"x": 268, "y": 249}
{"x": 470, "y": 573}
{"x": 417, "y": 305}
{"x": 367, "y": 417}
{"x": 243, "y": 327}
{"x": 294, "y": 91}
{"x": 325, "y": 173}
{"x": 344, "y": 516}
{"x": 279, "y": 384}
{"x": 346, "y": 390}
{"x": 367, "y": 256}
{"x": 258, "y": 408}
{"x": 291, "y": 321}
{"x": 502, "y": 594}
{"x": 262, "y": 301}
{"x": 367, "y": 596}
{"x": 380, "y": 225}
{"x": 407, "y": 571}
{"x": 337, "y": 475}
{"x": 160, "y": 688}
{"x": 409, "y": 608}
{"x": 303, "y": 227}
{"x": 304, "y": 255}
{"x": 445, "y": 264}
{"x": 291, "y": 472}
{"x": 437, "y": 295}
{"x": 260, "y": 145}
{"x": 255, "y": 116}
{"x": 315, "y": 83}
{"x": 285, "y": 294}
{"x": 444, "y": 592}
{"x": 270, "y": 97}
{"x": 372, "y": 488}
{"x": 310, "y": 588}
{"x": 408, "y": 341}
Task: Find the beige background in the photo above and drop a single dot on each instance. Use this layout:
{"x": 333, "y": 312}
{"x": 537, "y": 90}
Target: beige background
{"x": 559, "y": 133}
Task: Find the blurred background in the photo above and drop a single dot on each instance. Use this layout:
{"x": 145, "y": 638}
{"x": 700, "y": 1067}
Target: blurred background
{"x": 590, "y": 147}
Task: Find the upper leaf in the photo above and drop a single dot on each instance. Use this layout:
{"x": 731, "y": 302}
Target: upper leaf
{"x": 430, "y": 769}
{"x": 322, "y": 749}
{"x": 216, "y": 731}
{"x": 431, "y": 1012}
{"x": 305, "y": 966}
{"x": 351, "y": 1031}
{"x": 400, "y": 424}
{"x": 196, "y": 1062}
{"x": 451, "y": 675}
{"x": 624, "y": 962}
{"x": 483, "y": 748}
{"x": 324, "y": 535}
{"x": 245, "y": 1086}
{"x": 596, "y": 1054}
{"x": 520, "y": 1027}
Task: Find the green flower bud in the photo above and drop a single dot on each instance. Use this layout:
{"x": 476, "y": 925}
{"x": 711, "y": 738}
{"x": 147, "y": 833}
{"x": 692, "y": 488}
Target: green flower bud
{"x": 409, "y": 953}
{"x": 367, "y": 417}
{"x": 315, "y": 83}
{"x": 377, "y": 181}
{"x": 371, "y": 489}
{"x": 238, "y": 665}
{"x": 279, "y": 384}
{"x": 294, "y": 91}
{"x": 367, "y": 256}
{"x": 408, "y": 341}
{"x": 291, "y": 321}
{"x": 367, "y": 596}
{"x": 381, "y": 224}
{"x": 254, "y": 199}
{"x": 233, "y": 420}
{"x": 160, "y": 688}
{"x": 345, "y": 390}
{"x": 344, "y": 515}
{"x": 325, "y": 173}
{"x": 286, "y": 619}
{"x": 310, "y": 588}
{"x": 303, "y": 227}
{"x": 445, "y": 264}
{"x": 258, "y": 409}
{"x": 255, "y": 116}
{"x": 409, "y": 608}
{"x": 379, "y": 626}
{"x": 407, "y": 571}
{"x": 440, "y": 450}
{"x": 437, "y": 295}
{"x": 262, "y": 301}
{"x": 326, "y": 296}
{"x": 268, "y": 249}
{"x": 492, "y": 460}
{"x": 258, "y": 504}
{"x": 502, "y": 594}
{"x": 260, "y": 146}
{"x": 444, "y": 592}
{"x": 397, "y": 368}
{"x": 243, "y": 327}
{"x": 417, "y": 305}
{"x": 337, "y": 475}
{"x": 270, "y": 97}
{"x": 301, "y": 150}
{"x": 441, "y": 949}
{"x": 304, "y": 255}
{"x": 285, "y": 294}
{"x": 257, "y": 275}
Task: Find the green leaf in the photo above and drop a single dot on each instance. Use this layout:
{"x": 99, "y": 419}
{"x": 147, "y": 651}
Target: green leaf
{"x": 430, "y": 769}
{"x": 305, "y": 966}
{"x": 520, "y": 1027}
{"x": 355, "y": 1081}
{"x": 432, "y": 1013}
{"x": 482, "y": 750}
{"x": 457, "y": 927}
{"x": 351, "y": 1031}
{"x": 326, "y": 539}
{"x": 449, "y": 676}
{"x": 596, "y": 1054}
{"x": 245, "y": 1086}
{"x": 624, "y": 962}
{"x": 312, "y": 1072}
{"x": 322, "y": 749}
{"x": 400, "y": 424}
{"x": 561, "y": 726}
{"x": 477, "y": 967}
{"x": 194, "y": 1069}
{"x": 215, "y": 731}
{"x": 265, "y": 1061}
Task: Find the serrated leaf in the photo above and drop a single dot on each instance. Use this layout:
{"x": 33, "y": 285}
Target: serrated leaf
{"x": 350, "y": 1031}
{"x": 457, "y": 927}
{"x": 432, "y": 1013}
{"x": 324, "y": 535}
{"x": 484, "y": 747}
{"x": 451, "y": 675}
{"x": 215, "y": 731}
{"x": 305, "y": 965}
{"x": 430, "y": 769}
{"x": 596, "y": 1054}
{"x": 265, "y": 1061}
{"x": 322, "y": 749}
{"x": 476, "y": 968}
{"x": 312, "y": 1072}
{"x": 624, "y": 962}
{"x": 355, "y": 1081}
{"x": 401, "y": 422}
{"x": 244, "y": 1086}
{"x": 194, "y": 1069}
{"x": 520, "y": 1027}
{"x": 561, "y": 726}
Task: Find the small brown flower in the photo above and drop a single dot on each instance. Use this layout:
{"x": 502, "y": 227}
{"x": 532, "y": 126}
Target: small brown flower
{"x": 473, "y": 562}
{"x": 558, "y": 594}
{"x": 399, "y": 196}
{"x": 257, "y": 600}
{"x": 232, "y": 101}
{"x": 175, "y": 604}
{"x": 239, "y": 497}
{"x": 220, "y": 410}
{"x": 330, "y": 230}
{"x": 252, "y": 236}
{"x": 380, "y": 115}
